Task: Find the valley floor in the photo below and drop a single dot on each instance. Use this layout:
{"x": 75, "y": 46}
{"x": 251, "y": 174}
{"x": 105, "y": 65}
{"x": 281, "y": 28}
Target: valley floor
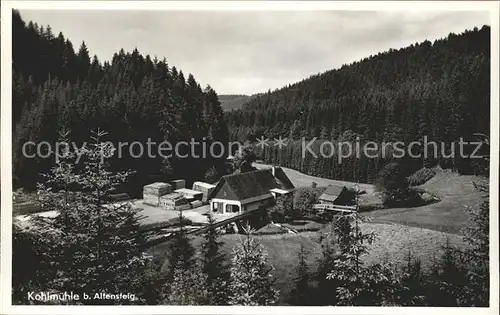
{"x": 451, "y": 214}
{"x": 456, "y": 193}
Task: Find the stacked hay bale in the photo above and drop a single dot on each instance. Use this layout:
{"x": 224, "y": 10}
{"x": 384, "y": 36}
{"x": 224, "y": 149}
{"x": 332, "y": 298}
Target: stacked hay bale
{"x": 205, "y": 188}
{"x": 152, "y": 193}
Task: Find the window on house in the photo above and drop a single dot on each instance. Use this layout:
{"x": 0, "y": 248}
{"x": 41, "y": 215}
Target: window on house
{"x": 232, "y": 208}
{"x": 215, "y": 206}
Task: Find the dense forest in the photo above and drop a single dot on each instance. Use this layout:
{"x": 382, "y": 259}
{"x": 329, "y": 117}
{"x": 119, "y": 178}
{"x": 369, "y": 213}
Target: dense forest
{"x": 132, "y": 97}
{"x": 233, "y": 101}
{"x": 439, "y": 90}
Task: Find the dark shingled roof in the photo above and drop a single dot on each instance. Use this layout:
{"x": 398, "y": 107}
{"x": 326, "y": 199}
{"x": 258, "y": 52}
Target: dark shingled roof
{"x": 251, "y": 184}
{"x": 255, "y": 183}
{"x": 283, "y": 180}
{"x": 338, "y": 195}
{"x": 333, "y": 190}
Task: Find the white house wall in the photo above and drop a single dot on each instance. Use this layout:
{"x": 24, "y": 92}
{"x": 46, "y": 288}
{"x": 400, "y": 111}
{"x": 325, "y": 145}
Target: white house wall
{"x": 224, "y": 203}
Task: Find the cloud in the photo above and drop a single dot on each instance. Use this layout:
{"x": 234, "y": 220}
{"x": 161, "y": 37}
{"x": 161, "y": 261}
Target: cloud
{"x": 246, "y": 52}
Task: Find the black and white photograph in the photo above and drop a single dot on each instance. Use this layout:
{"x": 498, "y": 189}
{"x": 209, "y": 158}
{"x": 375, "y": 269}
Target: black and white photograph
{"x": 255, "y": 153}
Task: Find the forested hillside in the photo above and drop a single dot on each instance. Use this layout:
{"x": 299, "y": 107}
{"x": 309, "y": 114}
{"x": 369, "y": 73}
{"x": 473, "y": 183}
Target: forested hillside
{"x": 132, "y": 97}
{"x": 233, "y": 101}
{"x": 437, "y": 89}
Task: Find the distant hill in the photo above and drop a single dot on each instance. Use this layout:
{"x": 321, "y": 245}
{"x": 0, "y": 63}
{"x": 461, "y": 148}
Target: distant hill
{"x": 408, "y": 91}
{"x": 233, "y": 101}
{"x": 439, "y": 90}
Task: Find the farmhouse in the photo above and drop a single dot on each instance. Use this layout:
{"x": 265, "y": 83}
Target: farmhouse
{"x": 248, "y": 191}
{"x": 337, "y": 195}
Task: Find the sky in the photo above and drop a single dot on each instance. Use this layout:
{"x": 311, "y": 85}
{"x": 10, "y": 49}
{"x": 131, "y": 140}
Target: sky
{"x": 245, "y": 52}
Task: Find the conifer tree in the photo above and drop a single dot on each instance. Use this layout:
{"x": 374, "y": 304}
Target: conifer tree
{"x": 187, "y": 286}
{"x": 96, "y": 245}
{"x": 184, "y": 280}
{"x": 357, "y": 283}
{"x": 180, "y": 250}
{"x": 413, "y": 283}
{"x": 251, "y": 278}
{"x": 215, "y": 267}
{"x": 300, "y": 294}
{"x": 324, "y": 295}
{"x": 478, "y": 255}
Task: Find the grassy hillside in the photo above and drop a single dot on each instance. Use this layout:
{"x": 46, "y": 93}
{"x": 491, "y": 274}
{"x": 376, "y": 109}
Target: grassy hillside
{"x": 449, "y": 215}
{"x": 456, "y": 193}
{"x": 393, "y": 243}
{"x": 303, "y": 180}
{"x": 422, "y": 230}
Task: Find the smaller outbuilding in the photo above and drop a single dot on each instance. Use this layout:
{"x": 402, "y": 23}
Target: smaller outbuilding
{"x": 337, "y": 195}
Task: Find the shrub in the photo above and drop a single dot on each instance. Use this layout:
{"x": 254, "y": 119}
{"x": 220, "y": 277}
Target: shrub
{"x": 284, "y": 210}
{"x": 212, "y": 175}
{"x": 304, "y": 200}
{"x": 408, "y": 198}
{"x": 421, "y": 176}
{"x": 392, "y": 182}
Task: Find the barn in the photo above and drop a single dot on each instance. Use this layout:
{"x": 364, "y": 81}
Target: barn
{"x": 337, "y": 195}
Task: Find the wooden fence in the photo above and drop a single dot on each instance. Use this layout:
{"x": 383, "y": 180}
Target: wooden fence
{"x": 332, "y": 207}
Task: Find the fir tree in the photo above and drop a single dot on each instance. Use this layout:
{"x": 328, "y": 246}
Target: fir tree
{"x": 358, "y": 284}
{"x": 215, "y": 267}
{"x": 187, "y": 286}
{"x": 96, "y": 246}
{"x": 251, "y": 278}
{"x": 413, "y": 283}
{"x": 180, "y": 250}
{"x": 301, "y": 294}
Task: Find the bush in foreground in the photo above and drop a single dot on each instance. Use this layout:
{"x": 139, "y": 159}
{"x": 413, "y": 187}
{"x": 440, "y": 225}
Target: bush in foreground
{"x": 421, "y": 176}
